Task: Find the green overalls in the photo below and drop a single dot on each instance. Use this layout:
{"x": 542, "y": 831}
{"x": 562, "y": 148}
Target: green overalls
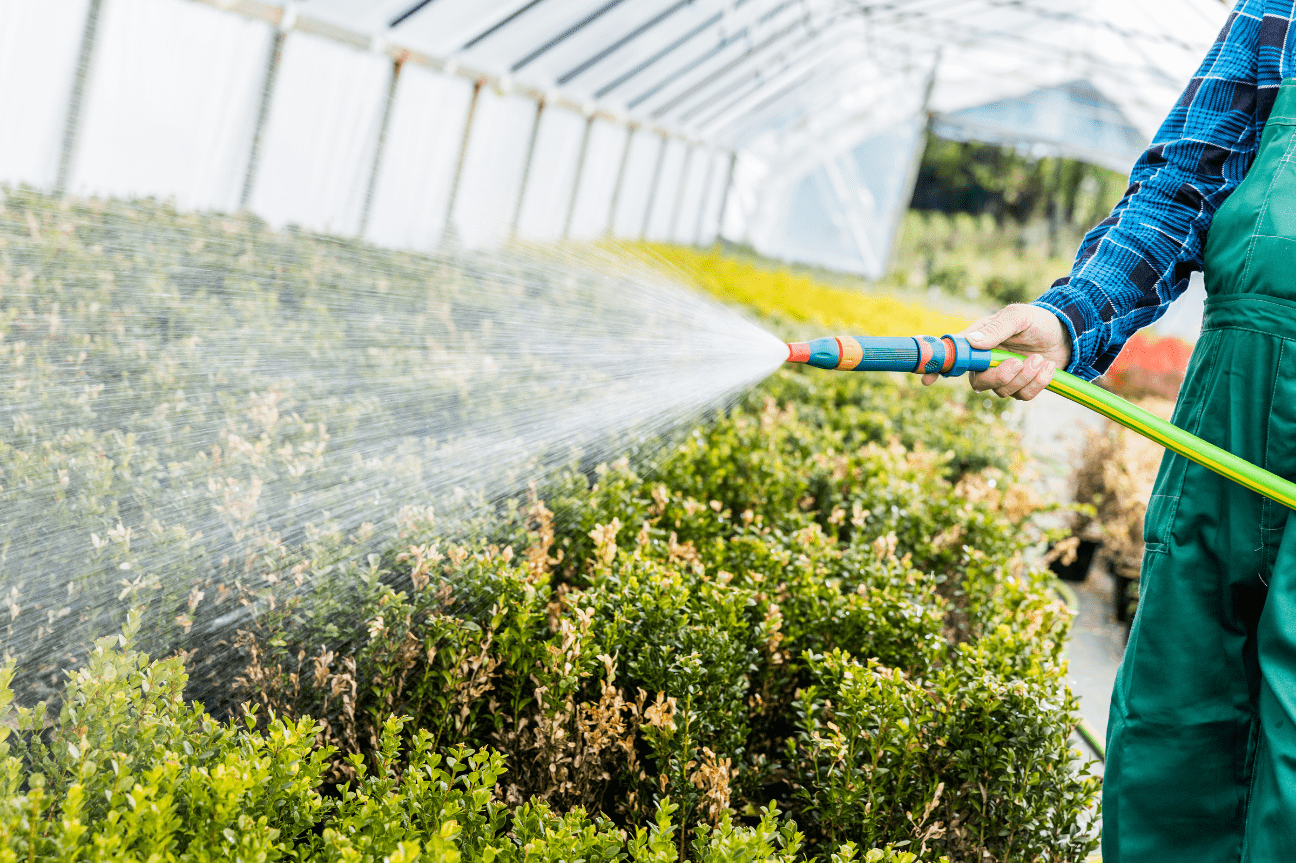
{"x": 1201, "y": 740}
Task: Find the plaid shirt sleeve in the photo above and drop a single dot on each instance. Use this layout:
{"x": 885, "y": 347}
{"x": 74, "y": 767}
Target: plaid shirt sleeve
{"x": 1136, "y": 261}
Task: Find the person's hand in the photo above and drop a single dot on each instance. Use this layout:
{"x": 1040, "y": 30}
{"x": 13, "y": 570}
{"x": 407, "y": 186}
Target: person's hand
{"x": 1029, "y": 330}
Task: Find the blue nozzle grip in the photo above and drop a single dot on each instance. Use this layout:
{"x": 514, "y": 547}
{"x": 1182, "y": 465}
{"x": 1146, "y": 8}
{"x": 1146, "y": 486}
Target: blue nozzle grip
{"x": 966, "y": 358}
{"x": 918, "y": 354}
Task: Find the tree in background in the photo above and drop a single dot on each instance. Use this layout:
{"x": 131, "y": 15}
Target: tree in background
{"x": 991, "y": 222}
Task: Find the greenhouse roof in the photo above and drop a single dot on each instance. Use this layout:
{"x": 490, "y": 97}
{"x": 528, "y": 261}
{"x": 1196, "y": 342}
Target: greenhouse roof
{"x": 731, "y": 71}
{"x": 793, "y": 126}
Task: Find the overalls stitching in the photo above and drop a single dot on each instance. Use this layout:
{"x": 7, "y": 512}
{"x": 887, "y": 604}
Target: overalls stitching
{"x": 1217, "y": 301}
{"x": 1222, "y": 328}
{"x": 1264, "y": 206}
{"x": 1253, "y": 751}
{"x": 1266, "y": 505}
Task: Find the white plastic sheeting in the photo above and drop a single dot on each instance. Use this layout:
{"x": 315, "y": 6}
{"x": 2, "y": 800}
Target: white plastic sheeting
{"x": 1074, "y": 118}
{"x": 591, "y": 211}
{"x": 184, "y": 134}
{"x": 818, "y": 104}
{"x": 490, "y": 181}
{"x": 421, "y": 153}
{"x": 634, "y": 195}
{"x": 318, "y": 154}
{"x": 665, "y": 193}
{"x": 551, "y": 181}
{"x": 39, "y": 46}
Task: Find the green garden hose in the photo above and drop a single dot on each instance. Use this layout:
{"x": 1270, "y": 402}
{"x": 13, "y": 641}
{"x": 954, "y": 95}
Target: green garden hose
{"x": 952, "y": 355}
{"x": 1167, "y": 434}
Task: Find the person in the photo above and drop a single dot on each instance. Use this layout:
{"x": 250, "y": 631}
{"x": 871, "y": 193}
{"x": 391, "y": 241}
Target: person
{"x": 1201, "y": 737}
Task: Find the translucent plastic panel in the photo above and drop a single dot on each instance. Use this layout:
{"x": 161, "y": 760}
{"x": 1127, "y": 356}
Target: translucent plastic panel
{"x": 491, "y": 181}
{"x": 40, "y": 42}
{"x": 1075, "y": 119}
{"x": 843, "y": 213}
{"x": 693, "y": 191}
{"x": 319, "y": 143}
{"x": 552, "y": 177}
{"x": 630, "y": 215}
{"x": 603, "y": 155}
{"x": 412, "y": 190}
{"x": 185, "y": 134}
{"x": 661, "y": 221}
{"x": 709, "y": 223}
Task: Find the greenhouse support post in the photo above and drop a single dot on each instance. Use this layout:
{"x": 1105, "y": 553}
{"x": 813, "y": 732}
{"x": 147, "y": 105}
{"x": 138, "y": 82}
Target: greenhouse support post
{"x": 625, "y": 40}
{"x": 856, "y": 228}
{"x": 76, "y": 98}
{"x": 463, "y": 154}
{"x": 565, "y": 35}
{"x": 724, "y": 195}
{"x": 652, "y": 187}
{"x": 705, "y": 200}
{"x": 263, "y": 117}
{"x": 669, "y": 49}
{"x": 673, "y": 232}
{"x": 380, "y": 146}
{"x": 631, "y": 129}
{"x": 580, "y": 172}
{"x": 749, "y": 54}
{"x": 526, "y": 166}
{"x": 915, "y": 162}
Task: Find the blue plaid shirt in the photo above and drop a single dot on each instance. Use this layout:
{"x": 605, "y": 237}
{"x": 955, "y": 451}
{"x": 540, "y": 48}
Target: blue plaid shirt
{"x": 1136, "y": 261}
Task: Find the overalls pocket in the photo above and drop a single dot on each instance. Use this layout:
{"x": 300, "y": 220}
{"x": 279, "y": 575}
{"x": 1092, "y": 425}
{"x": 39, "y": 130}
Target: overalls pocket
{"x": 1158, "y": 521}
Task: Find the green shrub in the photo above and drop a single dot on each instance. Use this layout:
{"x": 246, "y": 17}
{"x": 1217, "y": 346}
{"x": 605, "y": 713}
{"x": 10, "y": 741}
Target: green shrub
{"x": 818, "y": 599}
{"x": 129, "y": 772}
{"x": 663, "y": 633}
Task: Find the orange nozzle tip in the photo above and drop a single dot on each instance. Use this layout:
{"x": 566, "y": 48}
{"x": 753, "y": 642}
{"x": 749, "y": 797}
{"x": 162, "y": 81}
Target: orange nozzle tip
{"x": 798, "y": 352}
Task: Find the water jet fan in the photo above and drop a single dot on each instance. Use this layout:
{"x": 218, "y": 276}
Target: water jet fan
{"x": 951, "y": 356}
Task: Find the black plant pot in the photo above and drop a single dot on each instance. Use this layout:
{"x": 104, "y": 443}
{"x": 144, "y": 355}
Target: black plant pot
{"x": 1125, "y": 597}
{"x": 1077, "y": 570}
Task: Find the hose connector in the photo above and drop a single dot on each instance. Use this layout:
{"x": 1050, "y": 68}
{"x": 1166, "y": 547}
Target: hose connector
{"x": 949, "y": 355}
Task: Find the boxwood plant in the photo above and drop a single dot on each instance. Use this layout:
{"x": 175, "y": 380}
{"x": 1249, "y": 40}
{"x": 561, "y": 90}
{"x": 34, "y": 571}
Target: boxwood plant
{"x": 805, "y": 631}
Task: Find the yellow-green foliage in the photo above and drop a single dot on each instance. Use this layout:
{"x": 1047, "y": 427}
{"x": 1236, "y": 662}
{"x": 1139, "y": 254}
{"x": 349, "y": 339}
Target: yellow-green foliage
{"x": 803, "y": 299}
{"x": 819, "y": 600}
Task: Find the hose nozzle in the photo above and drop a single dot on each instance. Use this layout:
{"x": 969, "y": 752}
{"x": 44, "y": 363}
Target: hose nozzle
{"x": 948, "y": 355}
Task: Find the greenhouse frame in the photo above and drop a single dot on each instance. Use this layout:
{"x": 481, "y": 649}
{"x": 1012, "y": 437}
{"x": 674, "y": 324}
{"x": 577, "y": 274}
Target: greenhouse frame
{"x": 791, "y": 126}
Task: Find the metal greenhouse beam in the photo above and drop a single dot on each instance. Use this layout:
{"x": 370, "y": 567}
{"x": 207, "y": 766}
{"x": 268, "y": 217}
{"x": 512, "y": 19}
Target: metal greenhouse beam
{"x": 748, "y": 55}
{"x": 263, "y": 117}
{"x": 631, "y": 129}
{"x": 565, "y": 35}
{"x": 463, "y": 154}
{"x": 652, "y": 188}
{"x": 704, "y": 201}
{"x": 401, "y": 18}
{"x": 580, "y": 173}
{"x": 750, "y": 114}
{"x": 687, "y": 37}
{"x": 759, "y": 82}
{"x": 380, "y": 147}
{"x": 625, "y": 40}
{"x": 501, "y": 24}
{"x": 724, "y": 43}
{"x": 526, "y": 167}
{"x": 72, "y": 122}
{"x": 673, "y": 230}
{"x": 669, "y": 49}
{"x": 724, "y": 195}
{"x": 760, "y": 77}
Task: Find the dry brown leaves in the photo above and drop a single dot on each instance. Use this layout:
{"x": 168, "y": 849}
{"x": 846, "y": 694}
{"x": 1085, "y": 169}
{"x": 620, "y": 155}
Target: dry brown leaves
{"x": 1117, "y": 472}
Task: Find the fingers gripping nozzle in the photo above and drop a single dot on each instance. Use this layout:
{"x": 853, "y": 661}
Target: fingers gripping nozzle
{"x": 948, "y": 355}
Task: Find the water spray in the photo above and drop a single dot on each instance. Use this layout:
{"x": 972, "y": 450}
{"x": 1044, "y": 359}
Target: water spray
{"x": 951, "y": 356}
